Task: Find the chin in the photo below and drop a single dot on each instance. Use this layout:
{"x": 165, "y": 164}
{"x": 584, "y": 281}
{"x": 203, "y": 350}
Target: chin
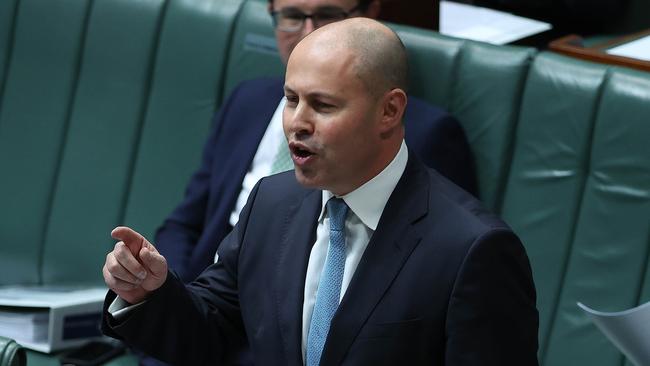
{"x": 306, "y": 180}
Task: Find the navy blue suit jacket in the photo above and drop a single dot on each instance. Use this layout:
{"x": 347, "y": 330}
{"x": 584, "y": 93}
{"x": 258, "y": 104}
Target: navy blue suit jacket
{"x": 442, "y": 282}
{"x": 190, "y": 235}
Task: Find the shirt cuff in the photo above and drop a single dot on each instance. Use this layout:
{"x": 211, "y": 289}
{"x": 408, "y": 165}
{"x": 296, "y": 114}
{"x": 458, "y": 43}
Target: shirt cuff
{"x": 119, "y": 308}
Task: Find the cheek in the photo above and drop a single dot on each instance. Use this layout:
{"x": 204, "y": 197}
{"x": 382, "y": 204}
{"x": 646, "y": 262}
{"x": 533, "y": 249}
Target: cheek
{"x": 347, "y": 138}
{"x": 286, "y": 43}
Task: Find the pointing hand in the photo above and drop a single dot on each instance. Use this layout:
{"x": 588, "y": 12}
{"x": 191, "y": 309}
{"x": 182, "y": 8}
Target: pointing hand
{"x": 134, "y": 268}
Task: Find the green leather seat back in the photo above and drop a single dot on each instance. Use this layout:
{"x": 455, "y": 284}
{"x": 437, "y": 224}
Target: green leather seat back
{"x": 86, "y": 133}
{"x": 548, "y": 170}
{"x": 486, "y": 99}
{"x": 7, "y": 18}
{"x": 187, "y": 82}
{"x": 609, "y": 253}
{"x": 432, "y": 63}
{"x": 481, "y": 85}
{"x": 578, "y": 197}
{"x": 102, "y": 138}
{"x": 40, "y": 55}
{"x": 253, "y": 52}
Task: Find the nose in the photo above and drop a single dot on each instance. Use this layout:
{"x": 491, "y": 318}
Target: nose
{"x": 297, "y": 122}
{"x": 308, "y": 27}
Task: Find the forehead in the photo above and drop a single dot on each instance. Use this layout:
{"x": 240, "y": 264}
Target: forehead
{"x": 312, "y": 4}
{"x": 329, "y": 70}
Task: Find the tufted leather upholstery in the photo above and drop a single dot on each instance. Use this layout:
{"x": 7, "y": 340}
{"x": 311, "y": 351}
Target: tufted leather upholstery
{"x": 104, "y": 106}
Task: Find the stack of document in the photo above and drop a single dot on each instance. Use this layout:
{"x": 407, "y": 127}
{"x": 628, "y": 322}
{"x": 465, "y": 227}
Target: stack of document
{"x": 22, "y": 324}
{"x": 486, "y": 25}
{"x": 47, "y": 319}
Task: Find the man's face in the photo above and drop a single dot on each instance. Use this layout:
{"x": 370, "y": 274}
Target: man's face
{"x": 330, "y": 120}
{"x": 288, "y": 40}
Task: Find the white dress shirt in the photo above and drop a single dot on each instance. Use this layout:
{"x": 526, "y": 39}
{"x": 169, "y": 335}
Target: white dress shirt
{"x": 366, "y": 205}
{"x": 263, "y": 160}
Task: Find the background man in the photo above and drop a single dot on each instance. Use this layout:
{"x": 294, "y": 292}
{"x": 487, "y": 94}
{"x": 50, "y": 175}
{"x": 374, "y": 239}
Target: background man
{"x": 362, "y": 256}
{"x": 247, "y": 144}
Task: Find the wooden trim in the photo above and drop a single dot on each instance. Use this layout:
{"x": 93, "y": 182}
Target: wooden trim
{"x": 573, "y": 45}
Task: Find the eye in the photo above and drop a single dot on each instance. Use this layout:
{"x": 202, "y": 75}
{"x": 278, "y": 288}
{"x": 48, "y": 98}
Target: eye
{"x": 329, "y": 15}
{"x": 292, "y": 100}
{"x": 292, "y": 14}
{"x": 320, "y": 106}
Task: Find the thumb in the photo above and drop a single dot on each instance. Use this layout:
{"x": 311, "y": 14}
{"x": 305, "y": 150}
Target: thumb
{"x": 132, "y": 239}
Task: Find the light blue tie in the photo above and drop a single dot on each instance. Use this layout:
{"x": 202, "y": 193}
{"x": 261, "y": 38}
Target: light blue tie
{"x": 329, "y": 287}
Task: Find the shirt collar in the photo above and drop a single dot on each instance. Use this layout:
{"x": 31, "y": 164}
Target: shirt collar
{"x": 369, "y": 200}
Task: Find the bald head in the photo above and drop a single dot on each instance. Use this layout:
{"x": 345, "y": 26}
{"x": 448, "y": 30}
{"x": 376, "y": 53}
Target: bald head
{"x": 345, "y": 100}
{"x": 378, "y": 56}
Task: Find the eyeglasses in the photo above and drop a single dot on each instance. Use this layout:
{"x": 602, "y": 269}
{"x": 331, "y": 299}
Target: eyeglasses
{"x": 292, "y": 19}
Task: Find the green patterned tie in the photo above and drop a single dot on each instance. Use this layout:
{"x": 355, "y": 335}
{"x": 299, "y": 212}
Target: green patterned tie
{"x": 282, "y": 160}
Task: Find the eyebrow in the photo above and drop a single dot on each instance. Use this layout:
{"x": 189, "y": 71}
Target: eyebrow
{"x": 315, "y": 94}
{"x": 288, "y": 90}
{"x": 317, "y": 9}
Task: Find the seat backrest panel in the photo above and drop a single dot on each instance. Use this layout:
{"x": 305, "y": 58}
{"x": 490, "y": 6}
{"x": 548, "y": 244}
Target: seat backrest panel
{"x": 186, "y": 85}
{"x": 253, "y": 52}
{"x": 101, "y": 139}
{"x": 550, "y": 158}
{"x": 38, "y": 89}
{"x": 609, "y": 254}
{"x": 489, "y": 82}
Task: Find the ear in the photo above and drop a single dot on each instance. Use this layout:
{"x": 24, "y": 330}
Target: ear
{"x": 374, "y": 8}
{"x": 394, "y": 104}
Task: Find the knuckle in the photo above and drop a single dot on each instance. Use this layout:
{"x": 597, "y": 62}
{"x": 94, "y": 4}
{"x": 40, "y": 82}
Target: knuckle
{"x": 118, "y": 245}
{"x": 112, "y": 266}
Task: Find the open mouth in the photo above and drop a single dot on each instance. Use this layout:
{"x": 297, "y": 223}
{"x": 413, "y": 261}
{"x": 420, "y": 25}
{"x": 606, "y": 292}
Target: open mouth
{"x": 300, "y": 152}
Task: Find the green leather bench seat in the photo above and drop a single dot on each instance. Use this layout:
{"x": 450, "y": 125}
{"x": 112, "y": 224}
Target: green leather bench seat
{"x": 458, "y": 75}
{"x": 41, "y": 58}
{"x": 104, "y": 107}
{"x": 186, "y": 85}
{"x": 253, "y": 52}
{"x": 11, "y": 353}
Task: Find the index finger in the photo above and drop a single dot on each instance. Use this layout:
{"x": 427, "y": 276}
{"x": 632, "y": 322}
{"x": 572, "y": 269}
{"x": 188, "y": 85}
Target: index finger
{"x": 132, "y": 239}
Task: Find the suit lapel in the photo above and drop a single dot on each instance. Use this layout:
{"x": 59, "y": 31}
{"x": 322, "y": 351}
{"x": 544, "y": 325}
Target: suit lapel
{"x": 390, "y": 246}
{"x": 299, "y": 234}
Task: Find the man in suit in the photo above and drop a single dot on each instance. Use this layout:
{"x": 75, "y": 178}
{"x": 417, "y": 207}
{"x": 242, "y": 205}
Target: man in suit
{"x": 361, "y": 256}
{"x": 247, "y": 141}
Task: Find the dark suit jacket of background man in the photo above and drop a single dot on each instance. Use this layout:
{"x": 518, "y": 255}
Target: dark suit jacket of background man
{"x": 190, "y": 235}
{"x": 442, "y": 282}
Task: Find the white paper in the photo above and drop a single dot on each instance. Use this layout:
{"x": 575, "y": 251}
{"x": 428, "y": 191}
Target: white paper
{"x": 629, "y": 330}
{"x": 639, "y": 49}
{"x": 486, "y": 25}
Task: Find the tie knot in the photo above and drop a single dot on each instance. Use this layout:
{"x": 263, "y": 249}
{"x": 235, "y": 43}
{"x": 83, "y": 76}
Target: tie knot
{"x": 337, "y": 211}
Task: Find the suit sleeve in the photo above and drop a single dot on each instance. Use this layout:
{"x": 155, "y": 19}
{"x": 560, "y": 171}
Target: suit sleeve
{"x": 492, "y": 318}
{"x": 181, "y": 231}
{"x": 195, "y": 324}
